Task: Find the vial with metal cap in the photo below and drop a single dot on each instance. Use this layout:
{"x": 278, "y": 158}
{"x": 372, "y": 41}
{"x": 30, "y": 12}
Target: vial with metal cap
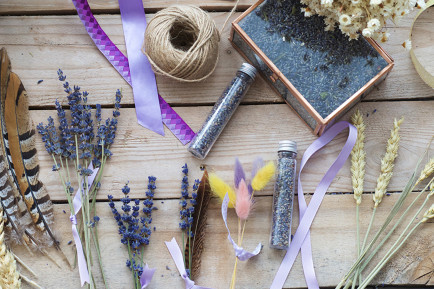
{"x": 283, "y": 197}
{"x": 222, "y": 111}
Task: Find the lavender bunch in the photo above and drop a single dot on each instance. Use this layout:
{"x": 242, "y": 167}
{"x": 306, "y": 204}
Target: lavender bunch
{"x": 135, "y": 229}
{"x": 78, "y": 147}
{"x": 186, "y": 214}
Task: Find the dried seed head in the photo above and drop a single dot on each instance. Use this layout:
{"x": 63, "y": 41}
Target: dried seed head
{"x": 387, "y": 163}
{"x": 427, "y": 171}
{"x": 8, "y": 267}
{"x": 358, "y": 157}
{"x": 429, "y": 214}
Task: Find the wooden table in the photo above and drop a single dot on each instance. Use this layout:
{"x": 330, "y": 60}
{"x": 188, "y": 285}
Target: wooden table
{"x": 42, "y": 36}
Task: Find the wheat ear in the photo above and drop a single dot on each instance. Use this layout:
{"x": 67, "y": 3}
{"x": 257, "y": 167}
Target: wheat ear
{"x": 358, "y": 156}
{"x": 387, "y": 163}
{"x": 358, "y": 164}
{"x": 427, "y": 171}
{"x": 9, "y": 276}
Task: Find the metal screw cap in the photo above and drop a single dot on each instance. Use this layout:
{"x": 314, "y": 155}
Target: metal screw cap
{"x": 248, "y": 69}
{"x": 288, "y": 145}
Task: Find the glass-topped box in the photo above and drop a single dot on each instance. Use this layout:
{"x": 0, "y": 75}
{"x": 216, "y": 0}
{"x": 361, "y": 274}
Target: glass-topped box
{"x": 320, "y": 74}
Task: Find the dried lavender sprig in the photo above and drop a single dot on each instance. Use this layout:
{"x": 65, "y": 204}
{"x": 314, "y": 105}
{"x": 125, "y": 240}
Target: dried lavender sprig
{"x": 134, "y": 229}
{"x": 74, "y": 142}
{"x": 186, "y": 212}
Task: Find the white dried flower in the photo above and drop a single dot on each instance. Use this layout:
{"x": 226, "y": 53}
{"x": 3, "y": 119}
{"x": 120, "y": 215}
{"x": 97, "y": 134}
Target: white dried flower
{"x": 374, "y": 24}
{"x": 345, "y": 20}
{"x": 375, "y": 2}
{"x": 407, "y": 44}
{"x": 357, "y": 13}
{"x": 360, "y": 12}
{"x": 367, "y": 32}
{"x": 384, "y": 36}
{"x": 421, "y": 4}
{"x": 327, "y": 3}
{"x": 306, "y": 11}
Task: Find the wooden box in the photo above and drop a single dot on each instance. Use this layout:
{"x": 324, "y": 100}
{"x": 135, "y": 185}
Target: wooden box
{"x": 320, "y": 74}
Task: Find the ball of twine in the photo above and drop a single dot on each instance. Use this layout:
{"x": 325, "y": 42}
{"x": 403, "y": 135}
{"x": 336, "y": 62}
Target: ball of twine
{"x": 182, "y": 43}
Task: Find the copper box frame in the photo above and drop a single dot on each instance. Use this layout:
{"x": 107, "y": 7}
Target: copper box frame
{"x": 321, "y": 123}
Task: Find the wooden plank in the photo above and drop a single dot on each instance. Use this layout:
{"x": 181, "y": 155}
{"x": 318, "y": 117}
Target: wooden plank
{"x": 44, "y": 7}
{"x": 254, "y": 131}
{"x": 333, "y": 243}
{"x": 110, "y": 6}
{"x": 38, "y": 46}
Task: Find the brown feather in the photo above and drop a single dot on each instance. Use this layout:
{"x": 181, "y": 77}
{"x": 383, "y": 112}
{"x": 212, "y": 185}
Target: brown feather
{"x": 17, "y": 217}
{"x": 18, "y": 146}
{"x": 198, "y": 226}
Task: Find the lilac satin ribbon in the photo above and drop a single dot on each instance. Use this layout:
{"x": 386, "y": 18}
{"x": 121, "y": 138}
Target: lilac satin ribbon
{"x": 81, "y": 260}
{"x": 142, "y": 77}
{"x": 177, "y": 257}
{"x": 146, "y": 277}
{"x": 301, "y": 238}
{"x": 120, "y": 62}
{"x": 240, "y": 253}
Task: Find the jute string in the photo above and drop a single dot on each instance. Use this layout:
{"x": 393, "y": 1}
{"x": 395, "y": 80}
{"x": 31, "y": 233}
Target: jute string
{"x": 181, "y": 42}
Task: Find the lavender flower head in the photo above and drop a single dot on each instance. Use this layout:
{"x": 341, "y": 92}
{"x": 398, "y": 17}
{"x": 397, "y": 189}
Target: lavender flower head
{"x": 78, "y": 134}
{"x": 134, "y": 229}
{"x": 187, "y": 206}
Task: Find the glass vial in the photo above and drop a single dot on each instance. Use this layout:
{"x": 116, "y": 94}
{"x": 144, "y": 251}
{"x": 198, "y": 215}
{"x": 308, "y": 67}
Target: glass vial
{"x": 222, "y": 111}
{"x": 283, "y": 196}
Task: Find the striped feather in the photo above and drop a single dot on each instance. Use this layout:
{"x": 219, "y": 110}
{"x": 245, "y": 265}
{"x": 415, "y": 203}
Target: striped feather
{"x": 18, "y": 144}
{"x": 16, "y": 215}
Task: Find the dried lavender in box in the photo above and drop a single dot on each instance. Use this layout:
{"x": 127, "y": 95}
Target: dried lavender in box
{"x": 321, "y": 74}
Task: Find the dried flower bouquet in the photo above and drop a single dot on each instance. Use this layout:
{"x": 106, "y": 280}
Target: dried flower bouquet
{"x": 360, "y": 16}
{"x": 77, "y": 150}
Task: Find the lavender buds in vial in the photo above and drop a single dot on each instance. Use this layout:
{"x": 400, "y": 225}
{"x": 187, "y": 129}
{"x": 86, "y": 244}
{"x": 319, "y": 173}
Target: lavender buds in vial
{"x": 283, "y": 196}
{"x": 222, "y": 111}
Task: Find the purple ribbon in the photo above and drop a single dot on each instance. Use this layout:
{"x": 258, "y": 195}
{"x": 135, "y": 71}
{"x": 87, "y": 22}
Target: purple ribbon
{"x": 301, "y": 238}
{"x": 146, "y": 277}
{"x": 177, "y": 257}
{"x": 240, "y": 253}
{"x": 120, "y": 62}
{"x": 142, "y": 77}
{"x": 81, "y": 260}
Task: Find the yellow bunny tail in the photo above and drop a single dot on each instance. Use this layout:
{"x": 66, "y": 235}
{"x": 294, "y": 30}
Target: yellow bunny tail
{"x": 263, "y": 176}
{"x": 220, "y": 188}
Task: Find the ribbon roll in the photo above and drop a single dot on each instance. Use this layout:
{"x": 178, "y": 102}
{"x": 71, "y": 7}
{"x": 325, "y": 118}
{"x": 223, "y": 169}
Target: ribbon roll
{"x": 120, "y": 62}
{"x": 240, "y": 253}
{"x": 301, "y": 240}
{"x": 176, "y": 254}
{"x": 81, "y": 260}
{"x": 427, "y": 77}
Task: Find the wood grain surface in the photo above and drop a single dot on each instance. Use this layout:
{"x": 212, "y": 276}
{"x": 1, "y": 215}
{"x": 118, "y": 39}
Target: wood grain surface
{"x": 43, "y": 36}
